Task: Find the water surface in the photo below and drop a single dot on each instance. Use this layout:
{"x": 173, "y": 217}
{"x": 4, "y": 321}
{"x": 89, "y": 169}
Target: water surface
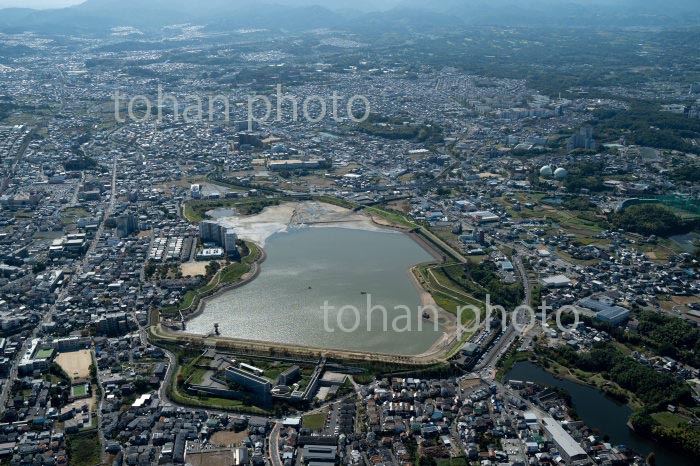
{"x": 307, "y": 267}
{"x": 599, "y": 411}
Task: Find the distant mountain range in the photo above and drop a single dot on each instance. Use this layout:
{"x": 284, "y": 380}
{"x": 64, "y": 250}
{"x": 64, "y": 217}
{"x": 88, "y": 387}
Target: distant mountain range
{"x": 97, "y": 16}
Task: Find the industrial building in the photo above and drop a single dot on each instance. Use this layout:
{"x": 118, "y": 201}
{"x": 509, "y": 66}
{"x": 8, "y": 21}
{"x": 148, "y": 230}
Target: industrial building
{"x": 484, "y": 216}
{"x": 605, "y": 312}
{"x": 614, "y": 316}
{"x": 319, "y": 454}
{"x": 556, "y": 281}
{"x": 569, "y": 449}
{"x": 293, "y": 164}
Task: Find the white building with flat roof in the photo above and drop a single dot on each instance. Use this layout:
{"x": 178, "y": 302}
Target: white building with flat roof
{"x": 556, "y": 281}
{"x": 569, "y": 449}
{"x": 484, "y": 216}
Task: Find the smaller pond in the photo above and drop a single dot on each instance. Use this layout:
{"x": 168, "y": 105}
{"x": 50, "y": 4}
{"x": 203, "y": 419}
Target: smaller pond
{"x": 221, "y": 213}
{"x": 600, "y": 412}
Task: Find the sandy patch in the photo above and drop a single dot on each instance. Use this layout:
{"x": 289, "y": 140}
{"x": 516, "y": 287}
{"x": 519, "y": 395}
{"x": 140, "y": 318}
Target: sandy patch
{"x": 76, "y": 364}
{"x": 446, "y": 320}
{"x": 257, "y": 228}
{"x": 277, "y": 219}
{"x": 227, "y": 438}
{"x": 193, "y": 269}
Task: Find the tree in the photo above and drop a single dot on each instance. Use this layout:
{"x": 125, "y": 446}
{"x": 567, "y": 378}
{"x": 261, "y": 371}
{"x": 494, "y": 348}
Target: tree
{"x": 10, "y": 415}
{"x": 150, "y": 269}
{"x": 651, "y": 459}
{"x": 648, "y": 219}
{"x": 39, "y": 267}
{"x": 211, "y": 268}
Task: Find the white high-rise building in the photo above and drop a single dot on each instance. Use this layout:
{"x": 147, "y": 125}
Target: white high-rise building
{"x": 214, "y": 232}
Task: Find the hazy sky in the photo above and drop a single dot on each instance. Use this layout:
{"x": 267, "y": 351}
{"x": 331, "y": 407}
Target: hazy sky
{"x": 38, "y": 3}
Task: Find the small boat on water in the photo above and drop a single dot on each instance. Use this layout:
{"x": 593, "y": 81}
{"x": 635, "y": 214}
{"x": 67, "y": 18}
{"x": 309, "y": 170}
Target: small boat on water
{"x": 363, "y": 292}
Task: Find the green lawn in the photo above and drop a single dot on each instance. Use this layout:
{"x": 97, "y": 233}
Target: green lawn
{"x": 394, "y": 217}
{"x": 79, "y": 390}
{"x": 449, "y": 274}
{"x": 451, "y": 305}
{"x": 315, "y": 421}
{"x": 234, "y": 272}
{"x": 44, "y": 354}
{"x": 667, "y": 419}
{"x": 274, "y": 370}
{"x": 197, "y": 376}
{"x": 84, "y": 449}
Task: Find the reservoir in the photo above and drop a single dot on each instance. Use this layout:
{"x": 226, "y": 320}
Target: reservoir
{"x": 309, "y": 266}
{"x": 601, "y": 412}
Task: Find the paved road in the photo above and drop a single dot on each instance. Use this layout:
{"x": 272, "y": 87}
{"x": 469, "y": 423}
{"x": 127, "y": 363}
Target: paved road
{"x": 100, "y": 432}
{"x": 108, "y": 212}
{"x": 12, "y": 376}
{"x": 510, "y": 334}
{"x": 274, "y": 447}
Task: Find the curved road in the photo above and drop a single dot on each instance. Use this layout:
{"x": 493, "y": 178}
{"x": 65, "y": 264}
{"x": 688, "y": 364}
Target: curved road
{"x": 274, "y": 447}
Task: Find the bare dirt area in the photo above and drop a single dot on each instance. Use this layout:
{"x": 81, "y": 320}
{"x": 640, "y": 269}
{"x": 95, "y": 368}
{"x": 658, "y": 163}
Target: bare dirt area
{"x": 466, "y": 384}
{"x": 78, "y": 404}
{"x": 227, "y": 438}
{"x": 402, "y": 206}
{"x": 277, "y": 219}
{"x": 683, "y": 300}
{"x": 76, "y": 364}
{"x": 210, "y": 458}
{"x": 193, "y": 269}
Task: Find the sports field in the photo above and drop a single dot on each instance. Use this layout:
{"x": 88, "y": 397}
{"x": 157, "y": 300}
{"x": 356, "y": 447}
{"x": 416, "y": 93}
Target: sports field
{"x": 79, "y": 390}
{"x": 76, "y": 363}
